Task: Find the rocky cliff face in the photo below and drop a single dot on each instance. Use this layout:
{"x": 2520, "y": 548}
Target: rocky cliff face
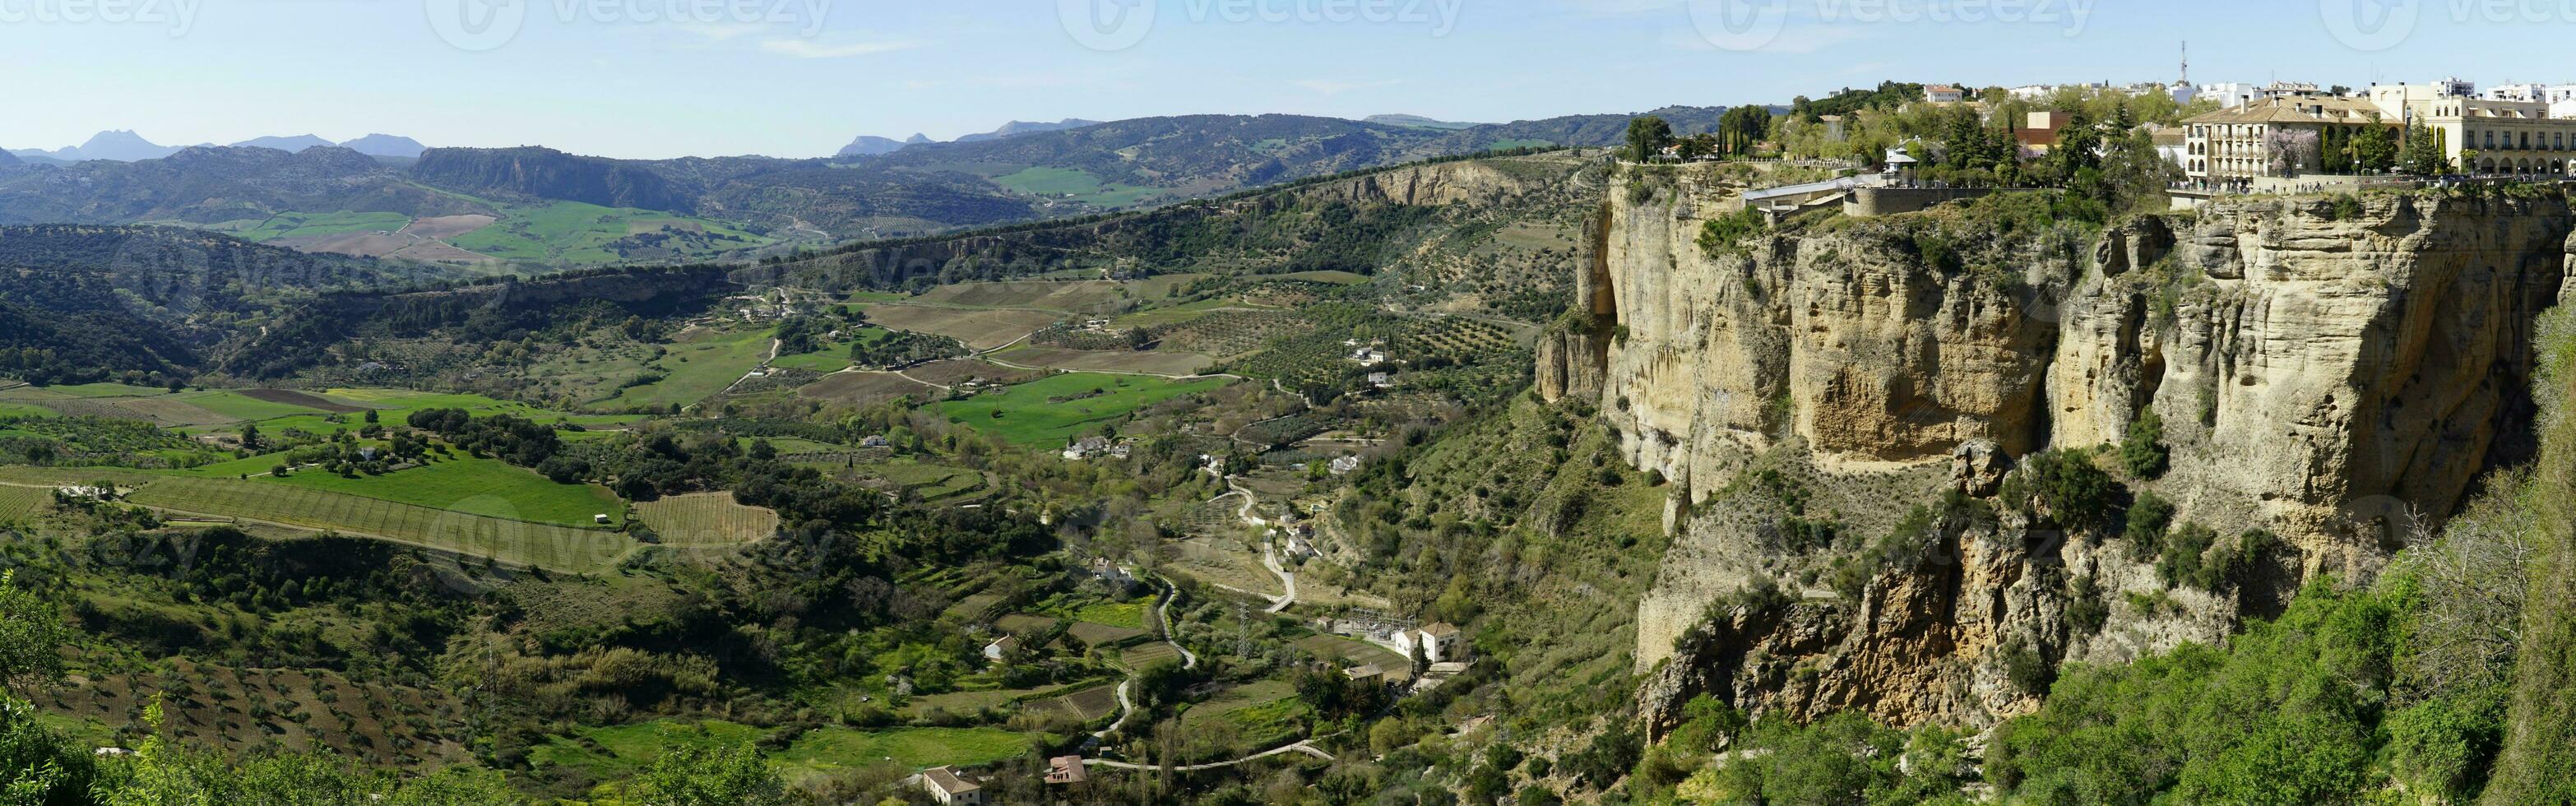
{"x": 2319, "y": 367}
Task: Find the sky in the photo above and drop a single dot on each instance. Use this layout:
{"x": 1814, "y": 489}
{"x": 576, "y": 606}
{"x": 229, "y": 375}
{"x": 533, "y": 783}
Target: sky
{"x": 665, "y": 78}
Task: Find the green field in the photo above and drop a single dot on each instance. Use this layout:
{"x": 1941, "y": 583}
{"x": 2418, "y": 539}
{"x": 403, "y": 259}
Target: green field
{"x": 87, "y": 390}
{"x": 1128, "y": 616}
{"x": 300, "y": 225}
{"x": 487, "y": 487}
{"x": 835, "y": 356}
{"x": 697, "y": 369}
{"x": 574, "y": 232}
{"x": 1074, "y": 182}
{"x": 242, "y": 407}
{"x": 1054, "y": 409}
{"x": 552, "y": 547}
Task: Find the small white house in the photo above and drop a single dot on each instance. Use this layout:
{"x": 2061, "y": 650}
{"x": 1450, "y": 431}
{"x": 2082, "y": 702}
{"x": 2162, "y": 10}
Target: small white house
{"x": 1086, "y": 448}
{"x": 1344, "y": 466}
{"x": 1000, "y": 648}
{"x": 944, "y": 786}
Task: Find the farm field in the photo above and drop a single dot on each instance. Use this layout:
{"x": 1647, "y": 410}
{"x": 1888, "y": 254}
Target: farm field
{"x": 1067, "y": 296}
{"x": 1057, "y": 408}
{"x": 487, "y": 487}
{"x": 552, "y": 547}
{"x": 566, "y": 232}
{"x": 307, "y": 225}
{"x": 1358, "y": 653}
{"x": 868, "y": 388}
{"x": 1233, "y": 334}
{"x": 1097, "y": 702}
{"x": 1122, "y": 615}
{"x": 20, "y": 502}
{"x": 1143, "y": 655}
{"x": 1076, "y": 183}
{"x": 706, "y": 519}
{"x": 1102, "y": 634}
{"x": 953, "y": 373}
{"x": 1207, "y": 561}
{"x": 1153, "y": 362}
{"x": 211, "y": 705}
{"x": 702, "y": 364}
{"x": 1265, "y": 712}
{"x": 981, "y": 329}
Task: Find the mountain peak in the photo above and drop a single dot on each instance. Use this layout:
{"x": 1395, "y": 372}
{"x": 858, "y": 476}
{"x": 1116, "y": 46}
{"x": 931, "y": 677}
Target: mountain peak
{"x": 386, "y": 145}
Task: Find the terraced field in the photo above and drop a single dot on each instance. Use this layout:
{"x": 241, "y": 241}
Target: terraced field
{"x": 706, "y": 519}
{"x": 1097, "y": 702}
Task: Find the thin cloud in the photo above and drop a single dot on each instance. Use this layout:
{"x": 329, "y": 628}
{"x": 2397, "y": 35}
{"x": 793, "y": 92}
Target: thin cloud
{"x": 810, "y": 49}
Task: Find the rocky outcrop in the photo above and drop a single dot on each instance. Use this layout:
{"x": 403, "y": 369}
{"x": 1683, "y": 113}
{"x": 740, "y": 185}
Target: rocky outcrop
{"x": 2318, "y": 366}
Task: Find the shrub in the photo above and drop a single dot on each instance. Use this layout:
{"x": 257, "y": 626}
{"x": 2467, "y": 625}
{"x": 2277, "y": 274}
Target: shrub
{"x": 2149, "y": 517}
{"x": 2063, "y": 487}
{"x": 2144, "y": 451}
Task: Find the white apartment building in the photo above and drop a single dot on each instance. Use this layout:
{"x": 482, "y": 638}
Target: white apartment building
{"x": 2481, "y": 135}
{"x": 2230, "y": 95}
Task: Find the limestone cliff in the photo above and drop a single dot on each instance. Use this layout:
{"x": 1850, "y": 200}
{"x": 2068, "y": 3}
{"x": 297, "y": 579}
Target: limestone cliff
{"x": 2318, "y": 365}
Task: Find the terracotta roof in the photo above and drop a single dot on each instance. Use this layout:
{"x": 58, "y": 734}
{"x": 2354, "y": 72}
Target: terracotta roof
{"x": 1441, "y": 629}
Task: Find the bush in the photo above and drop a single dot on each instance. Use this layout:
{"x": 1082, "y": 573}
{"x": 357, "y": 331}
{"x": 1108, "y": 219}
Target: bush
{"x": 2065, "y": 488}
{"x": 2144, "y": 451}
{"x": 2149, "y": 517}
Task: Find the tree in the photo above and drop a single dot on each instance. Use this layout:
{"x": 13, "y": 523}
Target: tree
{"x": 696, "y": 776}
{"x": 2291, "y": 150}
{"x": 2374, "y": 149}
{"x": 2422, "y": 152}
{"x": 39, "y": 767}
{"x": 32, "y": 636}
{"x": 250, "y": 439}
{"x": 1647, "y": 137}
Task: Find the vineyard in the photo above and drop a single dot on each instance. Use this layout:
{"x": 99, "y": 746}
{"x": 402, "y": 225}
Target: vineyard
{"x": 706, "y": 519}
{"x": 20, "y": 502}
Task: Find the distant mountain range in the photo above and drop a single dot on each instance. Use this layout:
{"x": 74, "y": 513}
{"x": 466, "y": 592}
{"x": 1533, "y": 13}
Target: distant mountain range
{"x": 1025, "y": 172}
{"x": 1418, "y": 121}
{"x": 872, "y": 146}
{"x": 124, "y": 145}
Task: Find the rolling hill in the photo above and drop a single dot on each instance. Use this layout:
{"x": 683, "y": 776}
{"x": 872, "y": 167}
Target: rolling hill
{"x": 544, "y": 208}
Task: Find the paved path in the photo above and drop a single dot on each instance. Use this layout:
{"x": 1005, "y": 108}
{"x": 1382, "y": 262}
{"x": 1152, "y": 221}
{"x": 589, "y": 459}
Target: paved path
{"x": 1269, "y": 549}
{"x": 1189, "y": 660}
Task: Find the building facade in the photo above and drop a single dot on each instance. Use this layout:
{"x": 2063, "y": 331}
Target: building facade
{"x": 2486, "y": 135}
{"x": 2235, "y": 144}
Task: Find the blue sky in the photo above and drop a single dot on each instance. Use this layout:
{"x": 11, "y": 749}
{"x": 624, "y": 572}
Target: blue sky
{"x": 801, "y": 77}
